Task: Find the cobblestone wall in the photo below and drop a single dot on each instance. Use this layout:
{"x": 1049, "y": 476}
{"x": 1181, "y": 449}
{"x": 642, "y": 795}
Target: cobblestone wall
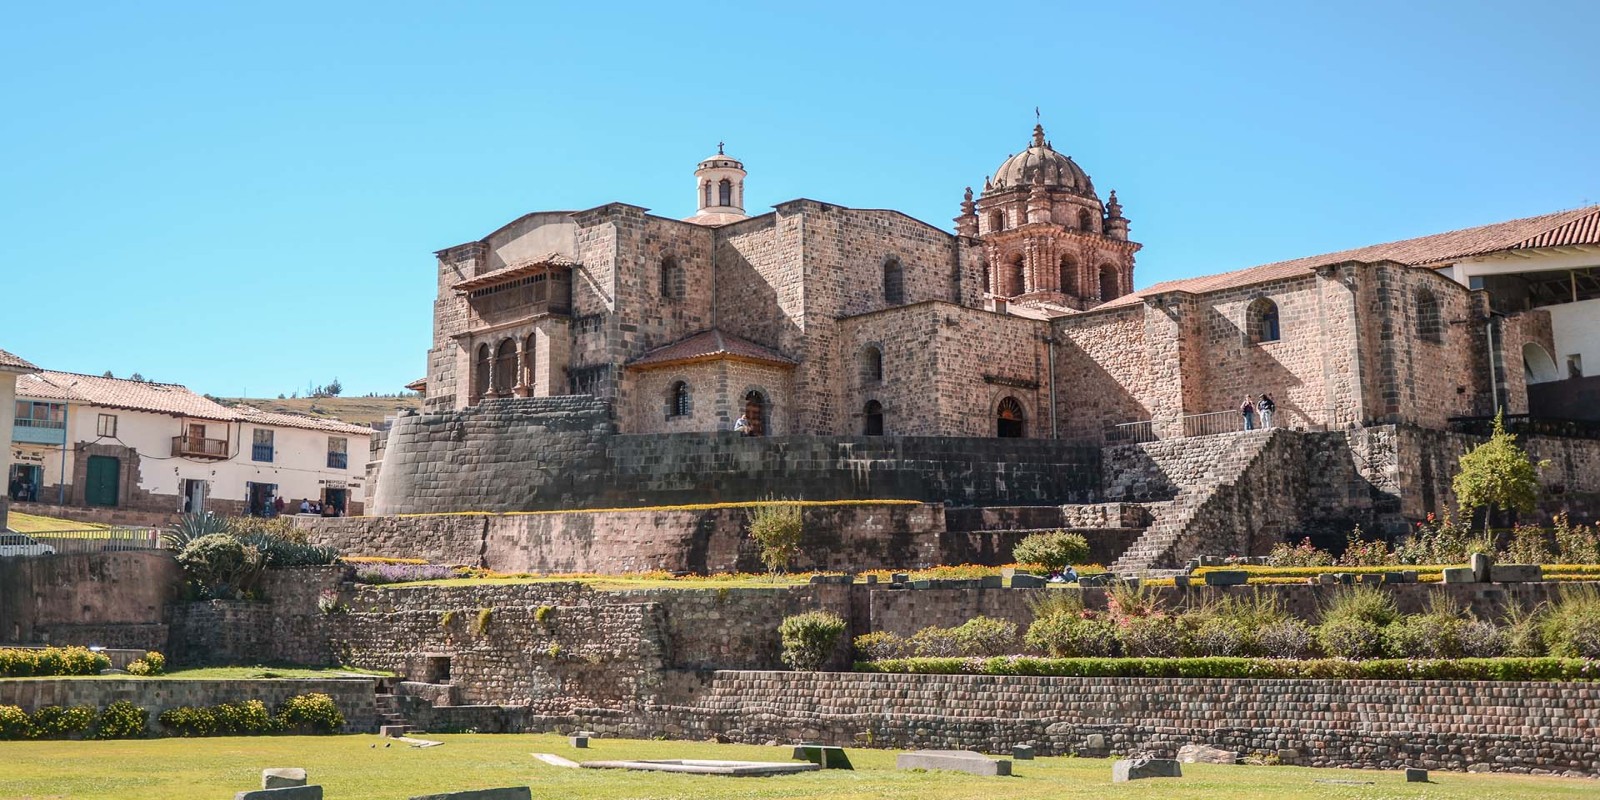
{"x": 353, "y": 696}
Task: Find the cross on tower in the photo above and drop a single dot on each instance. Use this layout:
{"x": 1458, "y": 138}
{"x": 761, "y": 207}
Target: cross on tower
{"x": 719, "y": 148}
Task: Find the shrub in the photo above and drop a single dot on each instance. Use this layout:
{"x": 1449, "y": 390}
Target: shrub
{"x": 1576, "y": 544}
{"x": 1438, "y": 632}
{"x": 190, "y": 527}
{"x": 121, "y": 720}
{"x": 279, "y": 551}
{"x": 250, "y": 716}
{"x": 1359, "y": 552}
{"x": 1350, "y": 637}
{"x": 933, "y": 642}
{"x": 138, "y": 668}
{"x": 985, "y": 636}
{"x": 1367, "y": 603}
{"x": 880, "y": 645}
{"x": 1221, "y": 636}
{"x": 313, "y": 711}
{"x": 1528, "y": 545}
{"x": 56, "y": 722}
{"x": 1154, "y": 636}
{"x": 152, "y": 663}
{"x": 14, "y": 723}
{"x": 1125, "y": 601}
{"x": 1288, "y": 638}
{"x": 1524, "y": 631}
{"x": 1304, "y": 554}
{"x": 1469, "y": 669}
{"x": 1571, "y": 628}
{"x": 25, "y": 662}
{"x": 1437, "y": 540}
{"x": 809, "y": 639}
{"x": 776, "y": 528}
{"x": 1480, "y": 639}
{"x": 1068, "y": 635}
{"x": 219, "y": 565}
{"x": 189, "y": 721}
{"x": 1053, "y": 551}
{"x": 481, "y": 624}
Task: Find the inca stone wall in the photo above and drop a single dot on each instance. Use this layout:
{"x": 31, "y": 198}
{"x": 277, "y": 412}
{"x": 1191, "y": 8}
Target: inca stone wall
{"x": 353, "y": 696}
{"x": 561, "y": 452}
{"x": 110, "y": 599}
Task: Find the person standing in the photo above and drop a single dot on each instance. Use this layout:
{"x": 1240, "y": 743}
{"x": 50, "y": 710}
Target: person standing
{"x": 277, "y": 505}
{"x": 1247, "y": 410}
{"x": 1266, "y": 408}
{"x": 741, "y": 426}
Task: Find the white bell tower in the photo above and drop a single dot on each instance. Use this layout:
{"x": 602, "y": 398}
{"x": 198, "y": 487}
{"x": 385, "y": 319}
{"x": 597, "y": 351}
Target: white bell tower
{"x": 719, "y": 184}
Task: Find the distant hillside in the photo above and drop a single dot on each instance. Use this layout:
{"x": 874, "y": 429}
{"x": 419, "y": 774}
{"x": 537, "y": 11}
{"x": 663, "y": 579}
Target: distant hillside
{"x": 354, "y": 410}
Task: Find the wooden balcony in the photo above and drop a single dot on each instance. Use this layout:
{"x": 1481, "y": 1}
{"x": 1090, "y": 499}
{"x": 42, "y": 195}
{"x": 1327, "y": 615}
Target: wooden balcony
{"x": 187, "y": 447}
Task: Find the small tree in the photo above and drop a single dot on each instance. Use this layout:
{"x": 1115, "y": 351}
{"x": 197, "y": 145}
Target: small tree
{"x": 810, "y": 638}
{"x": 776, "y": 526}
{"x": 1497, "y": 475}
{"x": 1054, "y": 551}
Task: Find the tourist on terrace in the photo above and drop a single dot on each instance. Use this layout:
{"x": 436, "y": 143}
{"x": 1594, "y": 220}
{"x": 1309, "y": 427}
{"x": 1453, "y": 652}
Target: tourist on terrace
{"x": 741, "y": 426}
{"x": 1267, "y": 409}
{"x": 305, "y": 506}
{"x": 1248, "y": 410}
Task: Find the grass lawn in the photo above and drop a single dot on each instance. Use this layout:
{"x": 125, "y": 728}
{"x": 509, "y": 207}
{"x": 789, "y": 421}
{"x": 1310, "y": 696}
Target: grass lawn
{"x": 350, "y": 768}
{"x": 33, "y": 523}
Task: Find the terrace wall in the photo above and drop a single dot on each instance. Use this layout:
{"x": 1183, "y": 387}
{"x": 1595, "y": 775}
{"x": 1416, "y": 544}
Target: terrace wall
{"x": 353, "y": 696}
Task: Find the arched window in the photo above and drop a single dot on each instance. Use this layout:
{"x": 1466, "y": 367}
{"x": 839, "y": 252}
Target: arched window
{"x": 997, "y": 222}
{"x": 1069, "y": 275}
{"x": 894, "y": 282}
{"x": 871, "y": 364}
{"x": 505, "y": 367}
{"x": 755, "y": 413}
{"x": 1108, "y": 282}
{"x": 678, "y": 399}
{"x": 1009, "y": 420}
{"x": 1429, "y": 326}
{"x": 708, "y": 194}
{"x": 872, "y": 423}
{"x": 725, "y": 192}
{"x": 1015, "y": 279}
{"x": 480, "y": 373}
{"x": 1537, "y": 365}
{"x": 1085, "y": 219}
{"x": 671, "y": 279}
{"x": 1262, "y": 325}
{"x": 529, "y": 348}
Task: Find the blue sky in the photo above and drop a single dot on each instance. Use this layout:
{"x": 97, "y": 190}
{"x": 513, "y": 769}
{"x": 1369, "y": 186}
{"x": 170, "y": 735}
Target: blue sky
{"x": 246, "y": 197}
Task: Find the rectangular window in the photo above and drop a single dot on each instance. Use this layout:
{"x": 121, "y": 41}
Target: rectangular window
{"x": 261, "y": 446}
{"x": 338, "y": 452}
{"x": 1475, "y": 282}
{"x": 32, "y": 414}
{"x": 1575, "y": 366}
{"x": 106, "y": 426}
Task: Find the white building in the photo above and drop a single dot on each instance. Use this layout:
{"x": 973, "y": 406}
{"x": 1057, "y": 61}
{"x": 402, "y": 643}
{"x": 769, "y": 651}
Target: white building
{"x": 84, "y": 440}
{"x": 10, "y": 367}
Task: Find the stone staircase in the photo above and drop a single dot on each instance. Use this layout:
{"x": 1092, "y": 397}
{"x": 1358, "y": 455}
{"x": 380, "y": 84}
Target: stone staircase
{"x": 987, "y": 534}
{"x": 390, "y": 716}
{"x": 1200, "y": 472}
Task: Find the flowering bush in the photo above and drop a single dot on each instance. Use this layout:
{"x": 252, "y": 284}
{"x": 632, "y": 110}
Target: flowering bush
{"x": 314, "y": 712}
{"x": 1304, "y": 554}
{"x": 400, "y": 573}
{"x": 24, "y": 662}
{"x": 1468, "y": 669}
{"x": 121, "y": 720}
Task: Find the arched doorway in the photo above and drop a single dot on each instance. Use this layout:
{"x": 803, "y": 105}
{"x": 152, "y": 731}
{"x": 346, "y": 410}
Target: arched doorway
{"x": 873, "y": 424}
{"x": 505, "y": 368}
{"x": 1108, "y": 282}
{"x": 480, "y": 373}
{"x": 1009, "y": 420}
{"x": 755, "y": 413}
{"x": 1537, "y": 365}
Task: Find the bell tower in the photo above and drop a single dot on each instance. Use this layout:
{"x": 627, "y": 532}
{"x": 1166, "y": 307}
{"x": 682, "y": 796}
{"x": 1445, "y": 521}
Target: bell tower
{"x": 719, "y": 189}
{"x": 1047, "y": 239}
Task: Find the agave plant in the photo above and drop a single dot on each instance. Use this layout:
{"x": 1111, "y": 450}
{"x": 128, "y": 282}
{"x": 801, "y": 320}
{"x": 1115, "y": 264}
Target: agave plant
{"x": 190, "y": 527}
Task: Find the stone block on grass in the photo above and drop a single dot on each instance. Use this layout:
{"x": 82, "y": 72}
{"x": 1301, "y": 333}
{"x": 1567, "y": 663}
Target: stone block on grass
{"x": 1416, "y": 775}
{"x": 823, "y": 756}
{"x": 1133, "y": 769}
{"x": 1023, "y": 580}
{"x": 1022, "y": 752}
{"x": 506, "y": 793}
{"x": 284, "y": 793}
{"x": 1459, "y": 575}
{"x": 954, "y": 761}
{"x": 281, "y": 777}
{"x": 1516, "y": 573}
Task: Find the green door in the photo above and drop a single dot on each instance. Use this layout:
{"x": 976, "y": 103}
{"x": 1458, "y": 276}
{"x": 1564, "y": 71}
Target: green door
{"x": 102, "y": 482}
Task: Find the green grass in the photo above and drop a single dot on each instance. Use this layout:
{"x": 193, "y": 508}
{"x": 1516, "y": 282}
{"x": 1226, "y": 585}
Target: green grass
{"x": 36, "y": 524}
{"x": 615, "y": 583}
{"x": 350, "y": 768}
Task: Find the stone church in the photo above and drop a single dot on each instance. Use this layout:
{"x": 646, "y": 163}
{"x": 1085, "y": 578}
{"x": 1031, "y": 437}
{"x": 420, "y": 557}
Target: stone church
{"x": 818, "y": 319}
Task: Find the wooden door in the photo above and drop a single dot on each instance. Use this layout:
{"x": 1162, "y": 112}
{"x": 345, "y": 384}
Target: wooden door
{"x": 102, "y": 483}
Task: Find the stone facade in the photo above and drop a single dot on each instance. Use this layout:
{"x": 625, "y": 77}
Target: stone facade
{"x": 107, "y": 599}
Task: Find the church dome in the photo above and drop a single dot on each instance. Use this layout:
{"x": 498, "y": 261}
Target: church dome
{"x": 1059, "y": 171}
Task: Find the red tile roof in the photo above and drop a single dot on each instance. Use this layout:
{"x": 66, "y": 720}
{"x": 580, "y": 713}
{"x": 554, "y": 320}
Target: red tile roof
{"x": 256, "y": 416}
{"x": 15, "y": 363}
{"x": 708, "y": 345}
{"x": 160, "y": 398}
{"x": 1577, "y": 226}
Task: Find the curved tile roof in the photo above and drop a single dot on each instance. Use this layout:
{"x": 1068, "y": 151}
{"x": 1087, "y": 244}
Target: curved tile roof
{"x": 708, "y": 345}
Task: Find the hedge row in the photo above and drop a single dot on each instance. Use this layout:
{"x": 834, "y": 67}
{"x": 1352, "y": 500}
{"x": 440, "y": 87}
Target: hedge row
{"x": 1460, "y": 669}
{"x": 1423, "y": 571}
{"x": 306, "y": 713}
{"x": 26, "y": 662}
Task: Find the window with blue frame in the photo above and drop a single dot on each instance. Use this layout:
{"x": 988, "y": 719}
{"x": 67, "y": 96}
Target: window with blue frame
{"x": 261, "y": 447}
{"x": 34, "y": 414}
